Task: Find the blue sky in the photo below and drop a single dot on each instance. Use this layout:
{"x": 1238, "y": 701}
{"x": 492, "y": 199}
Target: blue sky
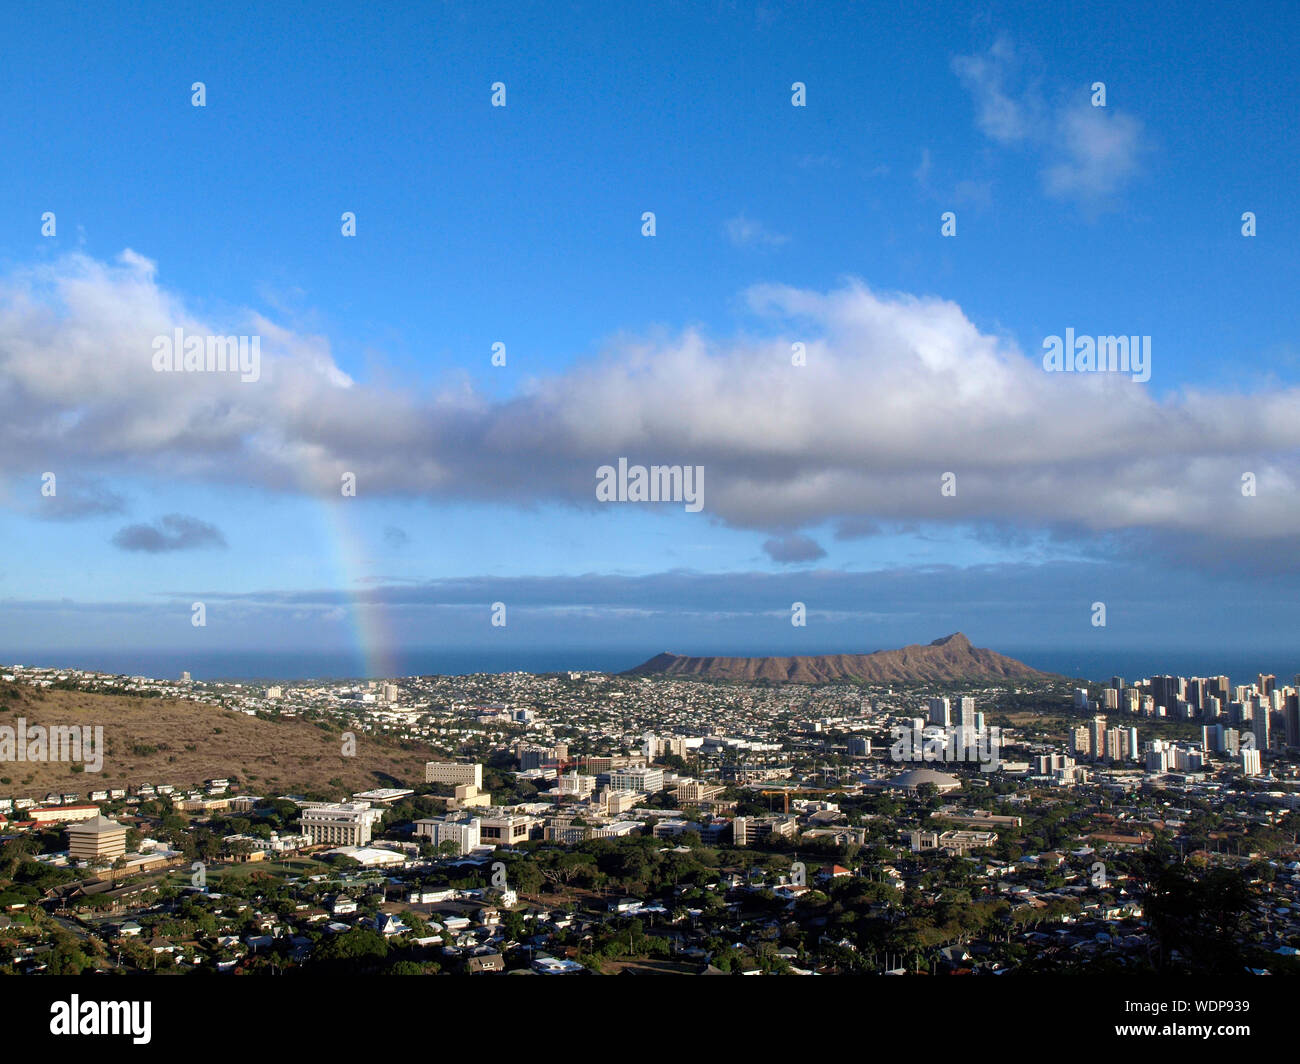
{"x": 774, "y": 224}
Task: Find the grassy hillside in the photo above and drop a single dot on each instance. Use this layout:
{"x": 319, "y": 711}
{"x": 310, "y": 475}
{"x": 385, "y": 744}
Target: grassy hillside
{"x": 182, "y": 743}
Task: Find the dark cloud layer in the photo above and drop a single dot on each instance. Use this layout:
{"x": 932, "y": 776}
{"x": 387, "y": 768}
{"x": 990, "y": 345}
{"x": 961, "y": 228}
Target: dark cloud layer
{"x": 793, "y": 548}
{"x": 172, "y": 532}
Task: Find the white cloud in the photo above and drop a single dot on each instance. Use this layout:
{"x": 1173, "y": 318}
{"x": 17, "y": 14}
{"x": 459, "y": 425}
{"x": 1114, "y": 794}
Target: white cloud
{"x": 1099, "y": 152}
{"x": 747, "y": 232}
{"x": 897, "y": 390}
{"x": 999, "y": 113}
{"x": 1089, "y": 152}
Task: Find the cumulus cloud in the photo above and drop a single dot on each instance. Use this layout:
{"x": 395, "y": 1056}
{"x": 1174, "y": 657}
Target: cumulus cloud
{"x": 172, "y": 532}
{"x": 897, "y": 390}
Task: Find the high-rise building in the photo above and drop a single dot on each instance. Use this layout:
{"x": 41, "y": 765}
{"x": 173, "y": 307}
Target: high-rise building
{"x": 1113, "y": 740}
{"x": 1260, "y": 726}
{"x": 1291, "y": 713}
{"x": 1097, "y": 737}
{"x": 1117, "y": 683}
{"x": 940, "y": 712}
{"x": 1250, "y": 763}
{"x": 1267, "y": 681}
{"x": 1167, "y": 690}
{"x": 1081, "y": 742}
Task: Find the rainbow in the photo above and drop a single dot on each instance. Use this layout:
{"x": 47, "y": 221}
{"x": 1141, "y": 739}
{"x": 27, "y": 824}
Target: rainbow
{"x": 371, "y": 634}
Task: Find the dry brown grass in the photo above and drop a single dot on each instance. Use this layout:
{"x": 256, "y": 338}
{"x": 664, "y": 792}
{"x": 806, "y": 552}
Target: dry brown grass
{"x": 183, "y": 743}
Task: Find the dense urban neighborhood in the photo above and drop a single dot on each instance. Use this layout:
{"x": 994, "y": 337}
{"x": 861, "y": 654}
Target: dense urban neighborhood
{"x": 586, "y": 823}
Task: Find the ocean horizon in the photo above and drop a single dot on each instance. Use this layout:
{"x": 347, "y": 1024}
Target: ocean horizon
{"x": 247, "y": 666}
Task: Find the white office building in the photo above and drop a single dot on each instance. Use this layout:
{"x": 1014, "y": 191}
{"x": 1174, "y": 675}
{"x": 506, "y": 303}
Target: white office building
{"x": 638, "y": 778}
{"x": 342, "y": 824}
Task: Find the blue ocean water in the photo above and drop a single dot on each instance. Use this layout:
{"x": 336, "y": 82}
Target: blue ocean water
{"x": 252, "y": 665}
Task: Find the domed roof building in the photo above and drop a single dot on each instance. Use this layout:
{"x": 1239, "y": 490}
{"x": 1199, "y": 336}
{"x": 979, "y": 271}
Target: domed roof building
{"x": 911, "y": 780}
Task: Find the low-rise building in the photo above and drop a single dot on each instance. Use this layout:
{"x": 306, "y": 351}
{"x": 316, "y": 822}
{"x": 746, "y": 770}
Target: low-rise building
{"x": 505, "y": 830}
{"x": 465, "y": 833}
{"x": 453, "y": 773}
{"x": 746, "y": 830}
{"x": 342, "y": 824}
{"x": 952, "y": 842}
